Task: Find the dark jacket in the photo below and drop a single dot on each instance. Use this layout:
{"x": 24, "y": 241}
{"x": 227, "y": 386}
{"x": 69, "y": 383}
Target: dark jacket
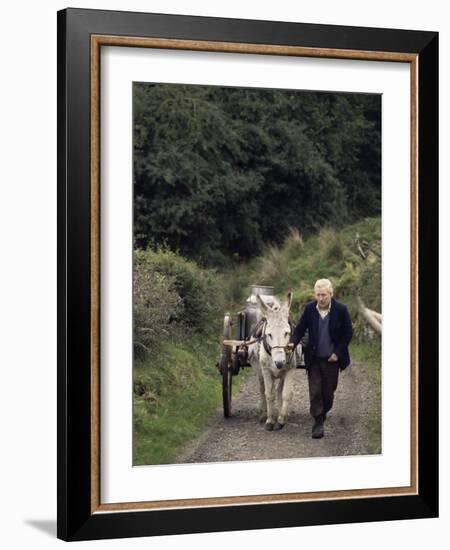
{"x": 340, "y": 331}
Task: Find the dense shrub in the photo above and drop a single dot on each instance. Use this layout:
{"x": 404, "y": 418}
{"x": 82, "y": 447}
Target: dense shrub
{"x": 331, "y": 245}
{"x": 198, "y": 290}
{"x": 370, "y": 283}
{"x": 155, "y": 303}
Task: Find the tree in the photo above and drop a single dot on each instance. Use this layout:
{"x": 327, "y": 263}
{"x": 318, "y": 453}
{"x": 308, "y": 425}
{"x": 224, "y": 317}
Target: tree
{"x": 219, "y": 171}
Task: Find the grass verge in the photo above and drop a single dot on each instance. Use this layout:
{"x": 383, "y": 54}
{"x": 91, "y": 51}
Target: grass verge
{"x": 176, "y": 394}
{"x": 370, "y": 354}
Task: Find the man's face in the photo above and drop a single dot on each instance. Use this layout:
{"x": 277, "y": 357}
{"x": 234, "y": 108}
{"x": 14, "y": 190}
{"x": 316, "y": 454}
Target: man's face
{"x": 323, "y": 297}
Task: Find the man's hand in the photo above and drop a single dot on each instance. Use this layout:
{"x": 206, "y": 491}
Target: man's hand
{"x": 333, "y": 358}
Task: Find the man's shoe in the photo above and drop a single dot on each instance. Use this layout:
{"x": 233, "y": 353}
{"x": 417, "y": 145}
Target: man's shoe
{"x": 317, "y": 431}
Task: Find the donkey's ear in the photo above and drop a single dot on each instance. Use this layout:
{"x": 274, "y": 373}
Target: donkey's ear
{"x": 288, "y": 302}
{"x": 262, "y": 304}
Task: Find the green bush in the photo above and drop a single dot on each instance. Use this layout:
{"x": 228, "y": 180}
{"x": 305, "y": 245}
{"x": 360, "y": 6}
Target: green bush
{"x": 272, "y": 265}
{"x": 199, "y": 290}
{"x": 370, "y": 283}
{"x": 348, "y": 281}
{"x": 293, "y": 245}
{"x": 275, "y": 262}
{"x": 155, "y": 303}
{"x": 331, "y": 245}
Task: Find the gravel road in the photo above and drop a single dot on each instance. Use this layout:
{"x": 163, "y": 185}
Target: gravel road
{"x": 242, "y": 437}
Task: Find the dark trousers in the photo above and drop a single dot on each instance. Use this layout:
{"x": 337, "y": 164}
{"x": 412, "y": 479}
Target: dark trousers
{"x": 322, "y": 380}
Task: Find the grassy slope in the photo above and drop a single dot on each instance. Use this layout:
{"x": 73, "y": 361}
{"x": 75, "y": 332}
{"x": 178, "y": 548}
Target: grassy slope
{"x": 370, "y": 354}
{"x": 331, "y": 254}
{"x": 188, "y": 391}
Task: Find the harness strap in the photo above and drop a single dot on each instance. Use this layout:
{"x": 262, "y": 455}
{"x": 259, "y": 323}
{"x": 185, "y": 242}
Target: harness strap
{"x": 261, "y": 323}
{"x": 289, "y": 353}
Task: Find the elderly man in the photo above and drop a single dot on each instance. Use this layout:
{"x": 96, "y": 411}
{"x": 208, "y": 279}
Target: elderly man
{"x": 330, "y": 331}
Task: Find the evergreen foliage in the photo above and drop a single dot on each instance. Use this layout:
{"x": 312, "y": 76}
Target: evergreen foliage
{"x": 219, "y": 172}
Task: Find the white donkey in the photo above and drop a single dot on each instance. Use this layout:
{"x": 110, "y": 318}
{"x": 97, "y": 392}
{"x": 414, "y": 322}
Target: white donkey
{"x": 274, "y": 360}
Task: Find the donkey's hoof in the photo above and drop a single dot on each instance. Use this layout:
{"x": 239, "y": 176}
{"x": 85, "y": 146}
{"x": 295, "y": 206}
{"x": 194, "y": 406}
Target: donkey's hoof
{"x": 269, "y": 426}
{"x": 262, "y": 418}
{"x": 278, "y": 426}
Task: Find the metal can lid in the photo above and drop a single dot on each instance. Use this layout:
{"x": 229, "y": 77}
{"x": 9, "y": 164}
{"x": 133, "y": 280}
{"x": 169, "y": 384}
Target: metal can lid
{"x": 262, "y": 290}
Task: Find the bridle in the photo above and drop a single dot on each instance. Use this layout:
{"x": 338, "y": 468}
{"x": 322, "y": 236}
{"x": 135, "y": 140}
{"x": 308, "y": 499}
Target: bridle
{"x": 289, "y": 350}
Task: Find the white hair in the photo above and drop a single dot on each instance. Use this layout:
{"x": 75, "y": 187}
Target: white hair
{"x": 324, "y": 283}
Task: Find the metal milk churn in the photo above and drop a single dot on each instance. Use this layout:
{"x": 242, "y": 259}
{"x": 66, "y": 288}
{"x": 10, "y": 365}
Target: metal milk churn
{"x": 252, "y": 312}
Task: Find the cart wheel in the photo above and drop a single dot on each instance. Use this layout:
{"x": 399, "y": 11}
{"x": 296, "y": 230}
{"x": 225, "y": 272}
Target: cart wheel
{"x": 226, "y": 368}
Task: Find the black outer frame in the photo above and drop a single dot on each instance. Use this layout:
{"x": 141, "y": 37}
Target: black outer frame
{"x": 75, "y": 521}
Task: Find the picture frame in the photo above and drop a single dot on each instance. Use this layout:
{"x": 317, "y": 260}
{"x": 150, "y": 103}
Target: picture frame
{"x": 81, "y": 36}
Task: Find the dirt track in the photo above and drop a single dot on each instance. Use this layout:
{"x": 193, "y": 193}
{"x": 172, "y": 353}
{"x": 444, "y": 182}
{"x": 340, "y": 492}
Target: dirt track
{"x": 242, "y": 437}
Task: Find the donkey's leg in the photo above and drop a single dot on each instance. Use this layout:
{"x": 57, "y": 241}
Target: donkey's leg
{"x": 286, "y": 396}
{"x": 256, "y": 366}
{"x": 262, "y": 398}
{"x": 279, "y": 398}
{"x": 269, "y": 387}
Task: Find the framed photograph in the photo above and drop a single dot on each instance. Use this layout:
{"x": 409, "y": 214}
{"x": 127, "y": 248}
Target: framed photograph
{"x": 247, "y": 274}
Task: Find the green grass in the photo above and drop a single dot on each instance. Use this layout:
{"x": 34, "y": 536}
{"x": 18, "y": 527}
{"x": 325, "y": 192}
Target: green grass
{"x": 370, "y": 354}
{"x": 178, "y": 392}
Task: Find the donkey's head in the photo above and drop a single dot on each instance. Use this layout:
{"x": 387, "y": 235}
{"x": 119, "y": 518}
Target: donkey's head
{"x": 277, "y": 332}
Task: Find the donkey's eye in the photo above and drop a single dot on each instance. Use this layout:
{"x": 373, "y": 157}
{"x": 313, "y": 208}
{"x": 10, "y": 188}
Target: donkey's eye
{"x": 287, "y": 333}
{"x": 269, "y": 336}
